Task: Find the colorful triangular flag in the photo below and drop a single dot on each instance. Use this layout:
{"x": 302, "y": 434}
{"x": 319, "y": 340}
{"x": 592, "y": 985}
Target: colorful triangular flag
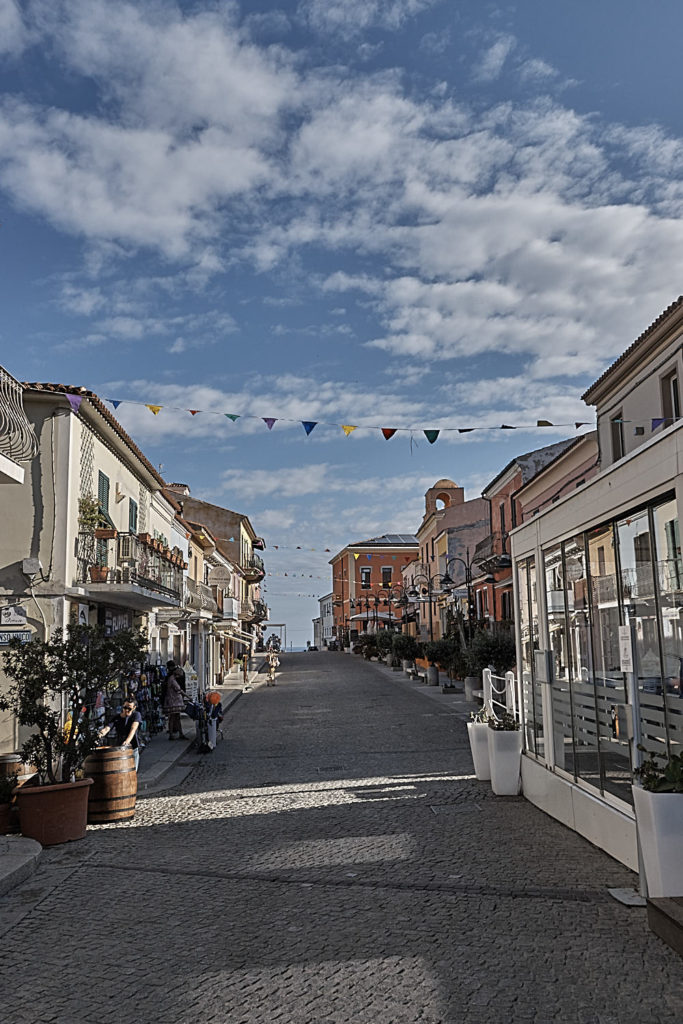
{"x": 579, "y": 423}
{"x": 655, "y": 423}
{"x": 431, "y": 435}
{"x": 388, "y": 432}
{"x": 269, "y": 421}
{"x": 154, "y": 408}
{"x": 348, "y": 429}
{"x": 193, "y": 412}
{"x": 465, "y": 430}
{"x": 115, "y": 404}
{"x": 308, "y": 425}
{"x": 506, "y": 426}
{"x": 75, "y": 402}
{"x": 356, "y": 555}
{"x": 232, "y": 416}
{"x": 543, "y": 423}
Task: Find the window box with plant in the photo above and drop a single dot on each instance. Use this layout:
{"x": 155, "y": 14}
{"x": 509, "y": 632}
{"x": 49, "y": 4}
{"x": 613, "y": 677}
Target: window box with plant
{"x": 65, "y": 671}
{"x": 658, "y": 802}
{"x": 505, "y": 754}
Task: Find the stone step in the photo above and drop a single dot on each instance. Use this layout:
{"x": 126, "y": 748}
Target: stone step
{"x": 665, "y": 918}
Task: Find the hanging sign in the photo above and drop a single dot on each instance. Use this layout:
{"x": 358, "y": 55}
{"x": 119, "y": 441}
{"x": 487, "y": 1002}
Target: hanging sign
{"x": 625, "y": 649}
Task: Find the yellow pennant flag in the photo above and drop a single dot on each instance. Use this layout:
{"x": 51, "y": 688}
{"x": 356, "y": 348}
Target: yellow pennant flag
{"x": 154, "y": 408}
{"x": 356, "y": 555}
{"x": 348, "y": 429}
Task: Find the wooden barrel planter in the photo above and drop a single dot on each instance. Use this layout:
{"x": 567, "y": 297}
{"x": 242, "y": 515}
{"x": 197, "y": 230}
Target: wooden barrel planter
{"x": 115, "y": 784}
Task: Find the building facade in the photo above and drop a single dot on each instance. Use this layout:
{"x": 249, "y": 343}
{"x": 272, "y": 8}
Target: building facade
{"x": 605, "y": 555}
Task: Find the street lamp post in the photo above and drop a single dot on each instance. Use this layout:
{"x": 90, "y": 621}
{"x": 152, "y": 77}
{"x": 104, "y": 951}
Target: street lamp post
{"x": 397, "y": 594}
{"x": 429, "y": 578}
{"x": 467, "y": 566}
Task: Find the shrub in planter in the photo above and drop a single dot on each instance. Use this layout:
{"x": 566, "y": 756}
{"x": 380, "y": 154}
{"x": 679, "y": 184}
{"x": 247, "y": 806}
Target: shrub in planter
{"x": 478, "y": 735}
{"x": 384, "y": 642}
{"x": 405, "y": 647}
{"x": 66, "y": 670}
{"x": 505, "y": 754}
{"x": 492, "y": 647}
{"x": 658, "y": 802}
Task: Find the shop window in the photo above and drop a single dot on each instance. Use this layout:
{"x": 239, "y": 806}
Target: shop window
{"x": 671, "y": 402}
{"x": 617, "y": 430}
{"x": 531, "y": 693}
{"x": 670, "y": 578}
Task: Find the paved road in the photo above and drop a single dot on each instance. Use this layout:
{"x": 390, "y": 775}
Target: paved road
{"x": 332, "y": 861}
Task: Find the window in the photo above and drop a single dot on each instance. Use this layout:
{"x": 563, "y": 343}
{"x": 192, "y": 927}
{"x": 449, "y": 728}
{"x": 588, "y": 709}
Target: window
{"x": 103, "y": 491}
{"x": 365, "y": 578}
{"x": 671, "y": 402}
{"x": 132, "y": 516}
{"x": 617, "y": 429}
{"x": 386, "y": 575}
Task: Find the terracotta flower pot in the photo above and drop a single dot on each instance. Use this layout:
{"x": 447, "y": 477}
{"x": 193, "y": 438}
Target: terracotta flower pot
{"x": 98, "y": 573}
{"x": 54, "y": 814}
{"x": 105, "y": 533}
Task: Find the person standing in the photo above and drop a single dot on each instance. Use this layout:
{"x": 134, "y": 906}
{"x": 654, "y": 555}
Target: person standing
{"x": 174, "y": 704}
{"x": 125, "y": 726}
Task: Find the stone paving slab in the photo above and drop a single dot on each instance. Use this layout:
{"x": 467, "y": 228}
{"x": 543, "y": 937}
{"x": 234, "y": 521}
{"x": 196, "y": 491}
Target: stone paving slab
{"x": 18, "y": 859}
{"x": 334, "y": 860}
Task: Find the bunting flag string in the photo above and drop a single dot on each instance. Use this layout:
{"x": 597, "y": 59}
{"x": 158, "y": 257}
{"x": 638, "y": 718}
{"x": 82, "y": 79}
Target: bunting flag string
{"x": 432, "y": 434}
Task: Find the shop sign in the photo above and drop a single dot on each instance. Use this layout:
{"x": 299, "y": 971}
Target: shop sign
{"x": 114, "y": 620}
{"x": 14, "y": 615}
{"x": 14, "y": 634}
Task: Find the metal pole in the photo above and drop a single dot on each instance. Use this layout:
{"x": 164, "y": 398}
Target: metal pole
{"x": 429, "y": 597}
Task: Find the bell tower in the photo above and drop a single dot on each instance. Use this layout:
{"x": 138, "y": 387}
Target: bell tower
{"x": 443, "y": 494}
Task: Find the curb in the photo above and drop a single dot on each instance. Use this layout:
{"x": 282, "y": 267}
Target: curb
{"x": 18, "y": 859}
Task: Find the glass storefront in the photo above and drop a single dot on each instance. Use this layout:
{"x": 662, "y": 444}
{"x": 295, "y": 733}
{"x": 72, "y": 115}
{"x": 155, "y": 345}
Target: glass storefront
{"x": 531, "y": 689}
{"x": 626, "y": 571}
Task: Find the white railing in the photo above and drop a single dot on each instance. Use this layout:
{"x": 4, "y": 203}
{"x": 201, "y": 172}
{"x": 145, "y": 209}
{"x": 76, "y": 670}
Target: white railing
{"x": 504, "y": 697}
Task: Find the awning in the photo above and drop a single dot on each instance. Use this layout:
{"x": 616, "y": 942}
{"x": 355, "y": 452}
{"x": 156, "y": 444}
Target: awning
{"x": 374, "y": 615}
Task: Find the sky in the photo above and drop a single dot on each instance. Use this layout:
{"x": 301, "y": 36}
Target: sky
{"x": 410, "y": 214}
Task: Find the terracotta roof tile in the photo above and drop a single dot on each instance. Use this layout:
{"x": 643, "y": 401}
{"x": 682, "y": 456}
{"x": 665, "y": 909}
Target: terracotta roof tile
{"x": 68, "y": 389}
{"x": 639, "y": 340}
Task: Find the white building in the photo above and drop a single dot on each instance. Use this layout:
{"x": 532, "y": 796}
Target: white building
{"x": 326, "y": 620}
{"x": 602, "y": 555}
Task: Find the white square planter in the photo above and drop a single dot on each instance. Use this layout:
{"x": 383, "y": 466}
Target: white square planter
{"x": 505, "y": 757}
{"x": 660, "y": 828}
{"x": 478, "y": 733}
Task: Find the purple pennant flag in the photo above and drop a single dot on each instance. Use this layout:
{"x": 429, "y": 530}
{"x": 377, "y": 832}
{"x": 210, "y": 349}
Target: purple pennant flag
{"x": 75, "y": 402}
{"x": 308, "y": 425}
{"x": 115, "y": 404}
{"x": 657, "y": 423}
{"x": 268, "y": 421}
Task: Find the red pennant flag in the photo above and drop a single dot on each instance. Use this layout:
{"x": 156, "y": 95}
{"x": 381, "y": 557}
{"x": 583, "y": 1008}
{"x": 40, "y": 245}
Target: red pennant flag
{"x": 193, "y": 412}
{"x": 388, "y": 432}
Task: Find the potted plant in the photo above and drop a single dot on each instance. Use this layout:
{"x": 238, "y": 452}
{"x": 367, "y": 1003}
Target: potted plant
{"x": 106, "y": 533}
{"x": 46, "y": 676}
{"x": 98, "y": 573}
{"x": 505, "y": 754}
{"x": 478, "y": 735}
{"x": 658, "y": 802}
{"x": 384, "y": 645}
{"x": 144, "y": 538}
{"x": 88, "y": 513}
{"x": 7, "y": 786}
{"x": 406, "y": 648}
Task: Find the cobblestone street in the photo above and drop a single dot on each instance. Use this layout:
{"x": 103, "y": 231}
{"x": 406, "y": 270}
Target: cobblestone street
{"x": 333, "y": 860}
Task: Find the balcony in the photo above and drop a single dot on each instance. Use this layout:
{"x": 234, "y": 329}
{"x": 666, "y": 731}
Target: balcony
{"x": 122, "y": 570}
{"x": 18, "y": 443}
{"x": 199, "y": 598}
{"x": 229, "y": 615}
{"x": 254, "y": 569}
{"x": 261, "y": 611}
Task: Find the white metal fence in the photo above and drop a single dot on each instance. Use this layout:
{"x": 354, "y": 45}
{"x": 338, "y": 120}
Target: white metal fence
{"x": 500, "y": 693}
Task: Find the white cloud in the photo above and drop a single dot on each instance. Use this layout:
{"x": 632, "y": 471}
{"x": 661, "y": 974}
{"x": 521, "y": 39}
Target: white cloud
{"x": 13, "y": 33}
{"x": 349, "y": 18}
{"x": 493, "y": 60}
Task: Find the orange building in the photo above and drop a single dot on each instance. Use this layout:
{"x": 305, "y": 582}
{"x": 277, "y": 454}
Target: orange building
{"x": 363, "y": 574}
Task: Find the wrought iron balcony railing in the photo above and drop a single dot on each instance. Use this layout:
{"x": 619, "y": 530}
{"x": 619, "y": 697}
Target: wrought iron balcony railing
{"x": 17, "y": 438}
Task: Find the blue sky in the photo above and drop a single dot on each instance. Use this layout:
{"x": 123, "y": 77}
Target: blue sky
{"x": 400, "y": 213}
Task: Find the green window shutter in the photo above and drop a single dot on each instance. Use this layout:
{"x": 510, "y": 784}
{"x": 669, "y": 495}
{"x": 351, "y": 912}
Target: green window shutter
{"x": 103, "y": 491}
{"x": 132, "y": 516}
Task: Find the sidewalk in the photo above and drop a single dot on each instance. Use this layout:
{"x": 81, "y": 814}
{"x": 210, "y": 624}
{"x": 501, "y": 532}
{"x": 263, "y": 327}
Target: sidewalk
{"x": 19, "y": 856}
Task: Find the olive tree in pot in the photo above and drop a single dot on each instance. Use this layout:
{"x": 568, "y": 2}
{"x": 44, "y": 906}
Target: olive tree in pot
{"x": 384, "y": 645}
{"x": 658, "y": 802}
{"x": 495, "y": 648}
{"x": 437, "y": 653}
{"x": 53, "y": 686}
{"x": 406, "y": 649}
